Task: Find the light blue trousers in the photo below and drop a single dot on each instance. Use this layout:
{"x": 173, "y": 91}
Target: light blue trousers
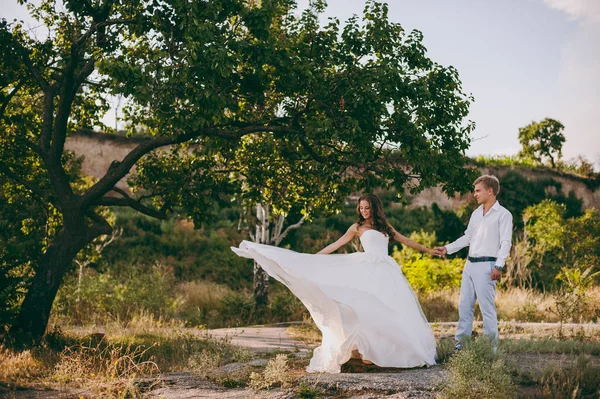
{"x": 477, "y": 285}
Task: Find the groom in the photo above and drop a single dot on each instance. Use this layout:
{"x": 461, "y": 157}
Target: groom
{"x": 488, "y": 237}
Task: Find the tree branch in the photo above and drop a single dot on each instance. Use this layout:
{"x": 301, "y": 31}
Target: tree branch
{"x": 32, "y": 69}
{"x": 47, "y": 119}
{"x": 94, "y": 27}
{"x": 40, "y": 194}
{"x": 10, "y": 96}
{"x": 130, "y": 202}
{"x": 100, "y": 227}
{"x": 288, "y": 229}
{"x": 118, "y": 170}
{"x": 83, "y": 73}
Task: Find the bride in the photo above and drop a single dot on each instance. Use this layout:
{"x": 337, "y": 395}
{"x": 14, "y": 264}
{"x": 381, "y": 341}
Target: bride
{"x": 361, "y": 302}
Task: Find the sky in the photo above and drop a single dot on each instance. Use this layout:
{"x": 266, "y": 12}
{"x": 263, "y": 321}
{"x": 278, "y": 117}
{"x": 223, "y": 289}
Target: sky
{"x": 522, "y": 60}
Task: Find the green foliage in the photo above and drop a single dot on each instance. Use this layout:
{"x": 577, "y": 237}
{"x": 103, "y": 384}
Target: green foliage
{"x": 21, "y": 241}
{"x": 108, "y": 296}
{"x": 306, "y": 391}
{"x": 504, "y": 160}
{"x": 478, "y": 372}
{"x": 427, "y": 274}
{"x": 579, "y": 165}
{"x": 27, "y": 226}
{"x": 557, "y": 242}
{"x": 578, "y": 168}
{"x": 191, "y": 254}
{"x": 329, "y": 109}
{"x": 444, "y": 350}
{"x": 542, "y": 141}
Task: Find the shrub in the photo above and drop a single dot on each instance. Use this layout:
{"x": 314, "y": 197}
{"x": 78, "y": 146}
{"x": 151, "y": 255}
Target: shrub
{"x": 201, "y": 302}
{"x": 478, "y": 372}
{"x": 427, "y": 274}
{"x": 105, "y": 296}
{"x": 276, "y": 373}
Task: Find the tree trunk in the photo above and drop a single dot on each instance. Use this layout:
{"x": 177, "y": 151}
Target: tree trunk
{"x": 261, "y": 278}
{"x": 261, "y": 287}
{"x": 269, "y": 230}
{"x": 34, "y": 314}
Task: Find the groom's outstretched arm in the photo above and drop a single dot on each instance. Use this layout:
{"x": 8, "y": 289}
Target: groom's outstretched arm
{"x": 460, "y": 243}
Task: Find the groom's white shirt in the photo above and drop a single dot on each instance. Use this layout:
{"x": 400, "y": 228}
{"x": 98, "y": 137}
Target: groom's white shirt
{"x": 488, "y": 235}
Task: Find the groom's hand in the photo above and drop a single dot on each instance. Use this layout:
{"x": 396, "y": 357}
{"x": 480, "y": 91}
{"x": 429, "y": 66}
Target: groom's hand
{"x": 441, "y": 251}
{"x": 496, "y": 274}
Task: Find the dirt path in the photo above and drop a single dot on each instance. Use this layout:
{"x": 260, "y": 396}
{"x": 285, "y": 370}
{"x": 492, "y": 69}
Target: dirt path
{"x": 260, "y": 338}
{"x": 373, "y": 382}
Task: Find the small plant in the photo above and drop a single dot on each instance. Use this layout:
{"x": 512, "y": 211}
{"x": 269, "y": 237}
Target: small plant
{"x": 241, "y": 354}
{"x": 276, "y": 373}
{"x": 228, "y": 382}
{"x": 308, "y": 391}
{"x": 445, "y": 350}
{"x": 477, "y": 371}
{"x": 205, "y": 361}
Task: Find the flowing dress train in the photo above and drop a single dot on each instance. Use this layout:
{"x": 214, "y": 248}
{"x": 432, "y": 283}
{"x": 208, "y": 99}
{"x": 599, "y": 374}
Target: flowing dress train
{"x": 358, "y": 301}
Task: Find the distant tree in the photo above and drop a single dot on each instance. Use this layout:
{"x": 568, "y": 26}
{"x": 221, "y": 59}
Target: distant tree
{"x": 542, "y": 141}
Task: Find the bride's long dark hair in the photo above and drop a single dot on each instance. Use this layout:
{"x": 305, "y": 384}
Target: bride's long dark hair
{"x": 380, "y": 222}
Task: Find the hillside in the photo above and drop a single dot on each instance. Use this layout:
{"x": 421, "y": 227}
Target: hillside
{"x": 101, "y": 149}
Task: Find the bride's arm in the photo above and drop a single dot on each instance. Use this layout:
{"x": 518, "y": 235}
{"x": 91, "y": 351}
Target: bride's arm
{"x": 413, "y": 244}
{"x": 350, "y": 234}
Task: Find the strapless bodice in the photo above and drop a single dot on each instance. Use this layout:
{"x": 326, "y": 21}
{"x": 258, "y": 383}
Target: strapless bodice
{"x": 374, "y": 242}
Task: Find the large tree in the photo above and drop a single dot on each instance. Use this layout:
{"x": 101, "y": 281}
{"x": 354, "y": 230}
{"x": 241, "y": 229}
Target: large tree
{"x": 360, "y": 102}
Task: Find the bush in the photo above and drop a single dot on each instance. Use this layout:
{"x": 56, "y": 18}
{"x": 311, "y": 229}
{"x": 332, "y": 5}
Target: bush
{"x": 427, "y": 274}
{"x": 193, "y": 254}
{"x": 440, "y": 306}
{"x": 276, "y": 373}
{"x": 478, "y": 372}
{"x": 104, "y": 296}
{"x": 201, "y": 302}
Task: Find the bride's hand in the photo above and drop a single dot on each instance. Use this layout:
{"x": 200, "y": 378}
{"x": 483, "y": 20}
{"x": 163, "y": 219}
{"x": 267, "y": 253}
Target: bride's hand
{"x": 434, "y": 252}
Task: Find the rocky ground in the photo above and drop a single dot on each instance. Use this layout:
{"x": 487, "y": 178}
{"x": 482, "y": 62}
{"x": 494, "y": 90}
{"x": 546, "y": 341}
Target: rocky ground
{"x": 356, "y": 380}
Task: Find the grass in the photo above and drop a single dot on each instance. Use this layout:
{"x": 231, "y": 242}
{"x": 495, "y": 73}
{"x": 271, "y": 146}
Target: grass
{"x": 108, "y": 360}
{"x": 109, "y": 364}
{"x": 513, "y": 304}
{"x": 551, "y": 346}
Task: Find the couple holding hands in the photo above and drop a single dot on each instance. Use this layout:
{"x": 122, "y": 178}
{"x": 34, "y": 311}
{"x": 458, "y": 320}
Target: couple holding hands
{"x": 362, "y": 302}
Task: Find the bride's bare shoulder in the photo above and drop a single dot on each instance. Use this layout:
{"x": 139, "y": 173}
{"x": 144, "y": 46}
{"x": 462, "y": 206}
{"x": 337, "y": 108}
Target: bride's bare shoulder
{"x": 354, "y": 228}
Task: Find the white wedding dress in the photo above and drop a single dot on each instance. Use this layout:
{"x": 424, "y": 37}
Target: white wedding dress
{"x": 358, "y": 301}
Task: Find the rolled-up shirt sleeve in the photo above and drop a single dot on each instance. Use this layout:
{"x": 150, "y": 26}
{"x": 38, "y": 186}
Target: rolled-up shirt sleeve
{"x": 463, "y": 241}
{"x": 505, "y": 225}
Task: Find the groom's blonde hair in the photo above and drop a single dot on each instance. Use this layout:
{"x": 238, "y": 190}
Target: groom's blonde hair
{"x": 489, "y": 181}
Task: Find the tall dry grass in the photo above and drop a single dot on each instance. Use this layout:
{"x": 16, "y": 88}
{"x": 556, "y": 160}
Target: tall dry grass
{"x": 108, "y": 361}
{"x": 513, "y": 304}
